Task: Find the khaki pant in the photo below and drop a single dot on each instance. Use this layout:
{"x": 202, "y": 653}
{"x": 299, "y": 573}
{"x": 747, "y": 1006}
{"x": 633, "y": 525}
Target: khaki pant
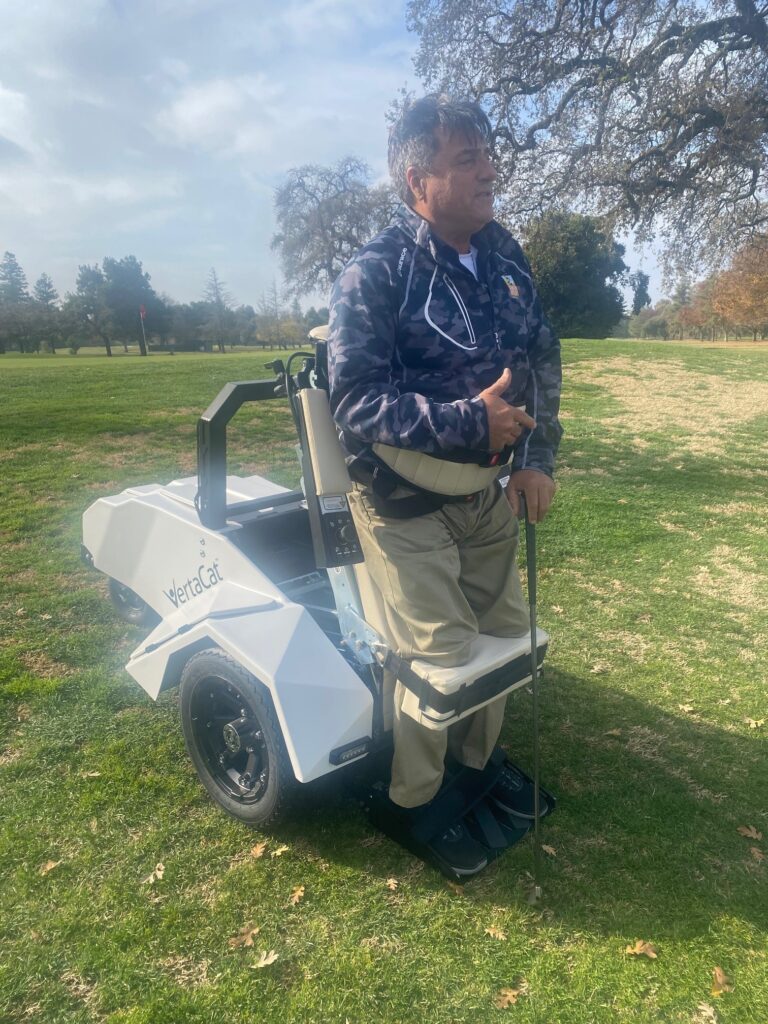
{"x": 443, "y": 578}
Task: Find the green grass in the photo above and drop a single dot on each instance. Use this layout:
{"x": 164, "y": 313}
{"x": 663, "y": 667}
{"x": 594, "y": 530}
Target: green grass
{"x": 654, "y": 587}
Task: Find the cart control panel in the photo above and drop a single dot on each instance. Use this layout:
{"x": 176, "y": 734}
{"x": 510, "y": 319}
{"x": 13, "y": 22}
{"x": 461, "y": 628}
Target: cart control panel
{"x": 340, "y": 543}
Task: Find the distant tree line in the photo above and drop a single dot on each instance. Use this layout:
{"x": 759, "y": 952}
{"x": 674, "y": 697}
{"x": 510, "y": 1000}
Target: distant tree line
{"x": 731, "y": 304}
{"x": 114, "y": 304}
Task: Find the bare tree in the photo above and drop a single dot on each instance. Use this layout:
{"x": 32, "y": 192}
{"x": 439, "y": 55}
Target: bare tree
{"x": 653, "y": 112}
{"x": 220, "y": 302}
{"x": 324, "y": 215}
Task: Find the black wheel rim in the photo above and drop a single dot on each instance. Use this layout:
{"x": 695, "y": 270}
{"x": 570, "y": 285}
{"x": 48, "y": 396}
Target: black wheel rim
{"x": 243, "y": 775}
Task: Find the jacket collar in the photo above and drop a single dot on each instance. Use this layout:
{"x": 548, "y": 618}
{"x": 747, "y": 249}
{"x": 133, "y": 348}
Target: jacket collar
{"x": 421, "y": 232}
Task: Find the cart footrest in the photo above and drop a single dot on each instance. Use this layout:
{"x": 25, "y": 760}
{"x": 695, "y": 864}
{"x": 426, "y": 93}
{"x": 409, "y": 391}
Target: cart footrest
{"x": 465, "y": 798}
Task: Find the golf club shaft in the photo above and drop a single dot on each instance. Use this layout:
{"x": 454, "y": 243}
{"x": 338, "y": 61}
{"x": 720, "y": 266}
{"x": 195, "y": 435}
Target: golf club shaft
{"x": 530, "y": 558}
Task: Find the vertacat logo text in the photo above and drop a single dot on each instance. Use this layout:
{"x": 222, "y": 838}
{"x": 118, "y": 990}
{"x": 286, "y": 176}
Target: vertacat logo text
{"x": 207, "y": 576}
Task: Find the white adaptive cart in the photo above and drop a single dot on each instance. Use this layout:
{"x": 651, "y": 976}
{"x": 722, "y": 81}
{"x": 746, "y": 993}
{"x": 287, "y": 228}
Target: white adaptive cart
{"x": 263, "y": 613}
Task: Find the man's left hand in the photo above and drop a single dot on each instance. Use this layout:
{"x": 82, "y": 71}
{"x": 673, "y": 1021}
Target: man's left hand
{"x": 538, "y": 489}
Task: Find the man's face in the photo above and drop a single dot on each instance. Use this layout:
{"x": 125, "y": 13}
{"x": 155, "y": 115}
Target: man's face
{"x": 456, "y": 194}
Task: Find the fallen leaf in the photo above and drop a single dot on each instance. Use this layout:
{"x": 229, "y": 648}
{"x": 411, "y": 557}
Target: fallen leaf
{"x": 598, "y": 667}
{"x": 622, "y": 501}
{"x": 720, "y": 982}
{"x": 279, "y": 851}
{"x": 686, "y": 708}
{"x": 155, "y": 876}
{"x": 706, "y": 1014}
{"x": 49, "y": 866}
{"x": 21, "y": 612}
{"x": 46, "y": 617}
{"x": 297, "y": 895}
{"x": 613, "y": 732}
{"x": 506, "y": 997}
{"x": 265, "y": 959}
{"x": 755, "y": 723}
{"x": 258, "y": 850}
{"x": 496, "y": 933}
{"x": 722, "y": 703}
{"x": 642, "y": 948}
{"x": 392, "y": 883}
{"x": 244, "y": 937}
{"x": 90, "y": 775}
{"x": 557, "y": 608}
{"x": 749, "y": 831}
{"x": 757, "y": 853}
{"x": 372, "y": 840}
{"x": 455, "y": 888}
{"x": 549, "y": 850}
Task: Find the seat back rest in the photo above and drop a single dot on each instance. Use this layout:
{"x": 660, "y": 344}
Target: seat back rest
{"x": 325, "y": 454}
{"x": 326, "y": 483}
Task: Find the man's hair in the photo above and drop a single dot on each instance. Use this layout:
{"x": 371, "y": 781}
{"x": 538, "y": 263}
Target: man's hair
{"x": 412, "y": 137}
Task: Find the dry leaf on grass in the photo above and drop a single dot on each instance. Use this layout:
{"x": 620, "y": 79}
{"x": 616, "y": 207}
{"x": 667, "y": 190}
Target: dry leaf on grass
{"x": 90, "y": 775}
{"x": 48, "y": 866}
{"x": 642, "y": 948}
{"x": 297, "y": 894}
{"x": 705, "y": 1014}
{"x": 720, "y": 982}
{"x": 686, "y": 708}
{"x": 755, "y": 723}
{"x": 455, "y": 888}
{"x": 244, "y": 937}
{"x": 265, "y": 959}
{"x": 392, "y": 883}
{"x": 372, "y": 840}
{"x": 496, "y": 933}
{"x": 506, "y": 997}
{"x": 549, "y": 850}
{"x": 613, "y": 732}
{"x": 155, "y": 876}
{"x": 258, "y": 850}
{"x": 279, "y": 851}
{"x": 749, "y": 831}
{"x": 556, "y": 608}
{"x": 757, "y": 853}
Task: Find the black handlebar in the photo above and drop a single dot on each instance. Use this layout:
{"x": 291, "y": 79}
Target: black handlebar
{"x": 211, "y": 498}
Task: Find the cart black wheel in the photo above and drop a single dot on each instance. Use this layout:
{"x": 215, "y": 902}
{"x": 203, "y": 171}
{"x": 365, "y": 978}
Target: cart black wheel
{"x": 234, "y": 738}
{"x": 129, "y": 606}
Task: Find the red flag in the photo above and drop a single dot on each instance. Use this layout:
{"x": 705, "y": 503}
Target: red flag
{"x": 142, "y": 311}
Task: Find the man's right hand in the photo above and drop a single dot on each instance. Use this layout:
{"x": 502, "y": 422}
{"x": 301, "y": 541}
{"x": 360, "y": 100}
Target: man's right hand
{"x": 505, "y": 422}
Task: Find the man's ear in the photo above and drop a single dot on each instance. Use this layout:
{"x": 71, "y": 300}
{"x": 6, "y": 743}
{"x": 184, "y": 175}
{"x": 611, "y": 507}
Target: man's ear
{"x": 415, "y": 178}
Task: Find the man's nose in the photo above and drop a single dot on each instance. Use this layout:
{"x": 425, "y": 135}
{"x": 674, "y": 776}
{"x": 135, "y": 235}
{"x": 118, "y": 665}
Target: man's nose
{"x": 488, "y": 168}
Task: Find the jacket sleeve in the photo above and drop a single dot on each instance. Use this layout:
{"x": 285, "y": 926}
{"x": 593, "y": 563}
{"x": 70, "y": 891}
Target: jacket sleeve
{"x": 365, "y": 402}
{"x": 542, "y": 397}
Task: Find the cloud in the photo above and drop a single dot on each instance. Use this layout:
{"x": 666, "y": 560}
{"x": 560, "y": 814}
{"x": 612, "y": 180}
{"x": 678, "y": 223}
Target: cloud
{"x": 221, "y": 115}
{"x": 15, "y": 120}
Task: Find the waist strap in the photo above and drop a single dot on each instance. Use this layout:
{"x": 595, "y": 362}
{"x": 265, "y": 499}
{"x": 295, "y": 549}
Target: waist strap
{"x": 440, "y": 476}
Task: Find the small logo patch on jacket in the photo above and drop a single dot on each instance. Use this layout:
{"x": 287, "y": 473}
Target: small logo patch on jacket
{"x": 514, "y": 291}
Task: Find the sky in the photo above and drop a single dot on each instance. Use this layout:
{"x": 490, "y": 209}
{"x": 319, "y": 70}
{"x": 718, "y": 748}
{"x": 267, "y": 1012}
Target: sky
{"x": 161, "y": 128}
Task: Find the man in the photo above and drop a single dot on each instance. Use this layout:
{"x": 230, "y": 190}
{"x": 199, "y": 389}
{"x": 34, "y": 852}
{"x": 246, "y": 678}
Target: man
{"x": 437, "y": 344}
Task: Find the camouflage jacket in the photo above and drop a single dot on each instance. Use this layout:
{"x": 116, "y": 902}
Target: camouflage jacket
{"x": 414, "y": 338}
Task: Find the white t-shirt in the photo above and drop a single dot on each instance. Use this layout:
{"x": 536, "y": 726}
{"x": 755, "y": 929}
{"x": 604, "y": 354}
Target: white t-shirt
{"x": 469, "y": 261}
